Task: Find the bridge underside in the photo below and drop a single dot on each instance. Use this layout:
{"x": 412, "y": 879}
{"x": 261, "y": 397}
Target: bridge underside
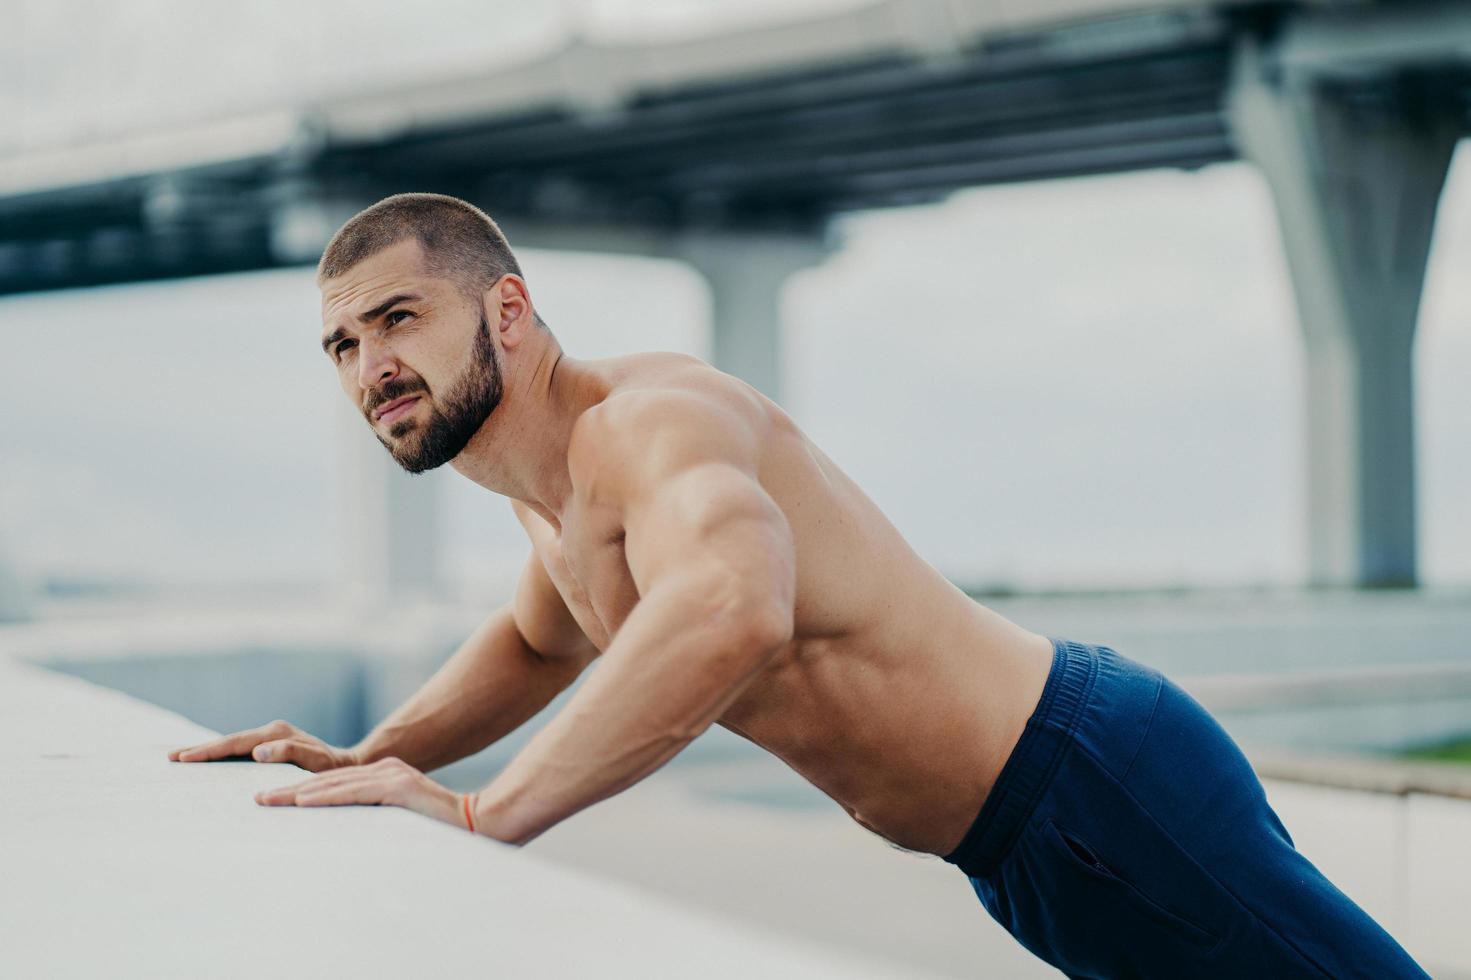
{"x": 769, "y": 153}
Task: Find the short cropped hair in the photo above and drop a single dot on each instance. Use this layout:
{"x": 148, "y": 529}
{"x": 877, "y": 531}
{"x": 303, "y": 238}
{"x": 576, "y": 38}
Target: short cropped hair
{"x": 460, "y": 242}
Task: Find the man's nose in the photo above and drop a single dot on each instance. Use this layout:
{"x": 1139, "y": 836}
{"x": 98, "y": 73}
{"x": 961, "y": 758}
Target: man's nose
{"x": 375, "y": 365}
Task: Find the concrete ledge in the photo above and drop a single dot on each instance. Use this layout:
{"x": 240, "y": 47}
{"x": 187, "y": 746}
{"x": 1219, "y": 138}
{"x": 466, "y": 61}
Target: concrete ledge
{"x": 1364, "y": 773}
{"x": 117, "y": 862}
{"x": 1388, "y": 684}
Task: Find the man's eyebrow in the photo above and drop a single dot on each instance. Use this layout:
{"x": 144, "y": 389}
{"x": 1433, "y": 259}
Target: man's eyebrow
{"x": 368, "y": 316}
{"x": 333, "y": 338}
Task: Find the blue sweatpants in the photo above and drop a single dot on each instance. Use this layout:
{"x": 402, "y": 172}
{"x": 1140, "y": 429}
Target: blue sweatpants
{"x": 1127, "y": 836}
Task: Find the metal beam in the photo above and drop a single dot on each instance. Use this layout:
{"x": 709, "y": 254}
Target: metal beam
{"x": 1374, "y": 39}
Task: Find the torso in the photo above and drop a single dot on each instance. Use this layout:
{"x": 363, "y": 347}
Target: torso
{"x": 899, "y": 696}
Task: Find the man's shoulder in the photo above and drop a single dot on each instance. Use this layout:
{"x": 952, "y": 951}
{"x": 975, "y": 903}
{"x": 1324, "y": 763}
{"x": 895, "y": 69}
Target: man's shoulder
{"x": 655, "y": 420}
{"x": 671, "y": 393}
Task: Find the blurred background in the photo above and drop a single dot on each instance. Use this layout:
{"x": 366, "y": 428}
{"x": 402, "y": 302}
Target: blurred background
{"x": 1143, "y": 321}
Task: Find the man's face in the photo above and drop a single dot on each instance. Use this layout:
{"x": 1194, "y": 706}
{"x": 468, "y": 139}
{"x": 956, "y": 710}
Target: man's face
{"x": 414, "y": 356}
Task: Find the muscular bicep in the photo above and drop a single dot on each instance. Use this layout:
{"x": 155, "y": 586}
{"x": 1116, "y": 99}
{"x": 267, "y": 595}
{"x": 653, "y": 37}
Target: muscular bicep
{"x": 543, "y": 619}
{"x": 679, "y": 472}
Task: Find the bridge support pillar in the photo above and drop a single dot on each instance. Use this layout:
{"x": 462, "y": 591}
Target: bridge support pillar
{"x": 15, "y": 605}
{"x": 390, "y": 524}
{"x": 1356, "y": 172}
{"x": 746, "y": 272}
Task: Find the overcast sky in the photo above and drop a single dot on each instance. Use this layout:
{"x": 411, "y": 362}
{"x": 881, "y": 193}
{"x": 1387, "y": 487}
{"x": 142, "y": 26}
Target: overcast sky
{"x": 76, "y": 70}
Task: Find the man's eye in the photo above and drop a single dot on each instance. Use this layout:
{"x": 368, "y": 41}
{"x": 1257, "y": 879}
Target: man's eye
{"x": 392, "y": 321}
{"x": 344, "y": 347}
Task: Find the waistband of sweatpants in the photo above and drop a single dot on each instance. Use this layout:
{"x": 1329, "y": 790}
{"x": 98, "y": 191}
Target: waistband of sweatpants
{"x": 1033, "y": 761}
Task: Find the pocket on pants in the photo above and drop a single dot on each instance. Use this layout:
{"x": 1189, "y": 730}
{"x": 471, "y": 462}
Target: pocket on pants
{"x": 1078, "y": 853}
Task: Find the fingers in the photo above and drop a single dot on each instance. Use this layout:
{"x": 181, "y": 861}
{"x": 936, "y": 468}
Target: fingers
{"x": 311, "y": 755}
{"x": 238, "y": 744}
{"x": 334, "y": 781}
{"x": 387, "y": 782}
{"x": 391, "y": 781}
{"x": 367, "y": 792}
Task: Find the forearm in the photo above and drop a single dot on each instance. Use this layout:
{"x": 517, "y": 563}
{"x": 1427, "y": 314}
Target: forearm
{"x": 679, "y": 660}
{"x": 491, "y": 685}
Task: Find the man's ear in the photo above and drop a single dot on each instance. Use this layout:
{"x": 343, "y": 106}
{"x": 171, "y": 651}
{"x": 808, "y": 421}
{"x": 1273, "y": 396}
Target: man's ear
{"x": 508, "y": 309}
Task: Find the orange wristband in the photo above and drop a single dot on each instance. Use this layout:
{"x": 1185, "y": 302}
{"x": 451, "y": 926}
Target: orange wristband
{"x": 469, "y": 815}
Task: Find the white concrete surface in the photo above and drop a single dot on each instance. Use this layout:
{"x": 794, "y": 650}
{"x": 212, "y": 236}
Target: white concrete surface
{"x": 116, "y": 862}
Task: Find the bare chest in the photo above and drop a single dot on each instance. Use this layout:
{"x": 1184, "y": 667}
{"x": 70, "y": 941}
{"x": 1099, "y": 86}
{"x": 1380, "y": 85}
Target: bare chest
{"x": 585, "y": 562}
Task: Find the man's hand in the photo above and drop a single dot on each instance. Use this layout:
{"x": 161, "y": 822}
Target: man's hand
{"x": 387, "y": 782}
{"x": 280, "y": 741}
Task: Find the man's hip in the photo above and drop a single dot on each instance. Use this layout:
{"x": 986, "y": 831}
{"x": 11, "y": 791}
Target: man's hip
{"x": 1129, "y": 836}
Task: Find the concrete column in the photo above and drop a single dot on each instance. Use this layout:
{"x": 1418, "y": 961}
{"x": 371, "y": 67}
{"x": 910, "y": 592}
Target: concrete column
{"x": 15, "y": 601}
{"x": 390, "y": 524}
{"x": 746, "y": 272}
{"x": 1356, "y": 171}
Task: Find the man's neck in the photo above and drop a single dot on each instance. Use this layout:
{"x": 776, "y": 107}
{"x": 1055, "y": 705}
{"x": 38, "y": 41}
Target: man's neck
{"x": 521, "y": 450}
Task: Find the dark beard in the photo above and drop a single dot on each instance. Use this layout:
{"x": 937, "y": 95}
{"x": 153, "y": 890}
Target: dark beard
{"x": 454, "y": 422}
